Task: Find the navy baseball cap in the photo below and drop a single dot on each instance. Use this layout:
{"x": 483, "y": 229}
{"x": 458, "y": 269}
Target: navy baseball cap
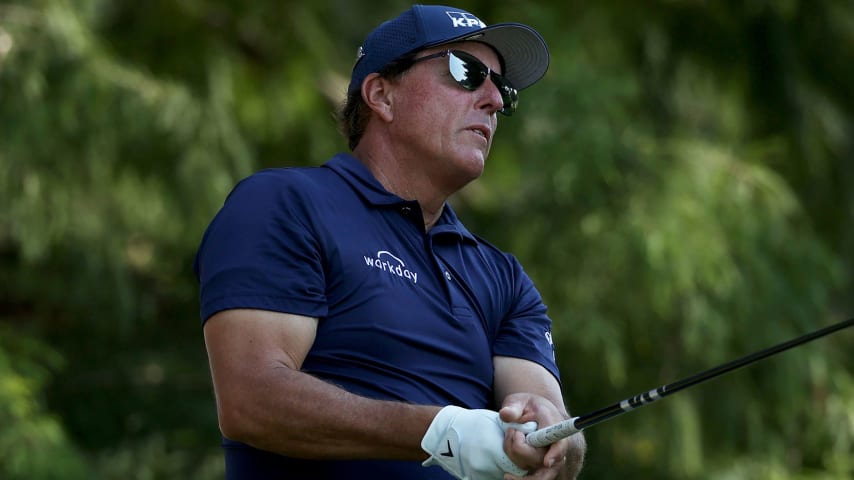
{"x": 523, "y": 51}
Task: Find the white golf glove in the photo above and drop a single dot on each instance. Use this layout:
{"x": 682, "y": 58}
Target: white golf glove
{"x": 469, "y": 444}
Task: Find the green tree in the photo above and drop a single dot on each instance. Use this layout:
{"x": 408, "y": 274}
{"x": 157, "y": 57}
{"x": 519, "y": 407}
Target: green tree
{"x": 33, "y": 443}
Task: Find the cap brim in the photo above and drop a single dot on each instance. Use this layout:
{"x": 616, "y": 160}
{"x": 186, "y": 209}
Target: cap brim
{"x": 524, "y": 51}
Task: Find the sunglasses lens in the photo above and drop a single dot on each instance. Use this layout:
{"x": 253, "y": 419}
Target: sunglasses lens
{"x": 467, "y": 70}
{"x": 509, "y": 95}
{"x": 470, "y": 73}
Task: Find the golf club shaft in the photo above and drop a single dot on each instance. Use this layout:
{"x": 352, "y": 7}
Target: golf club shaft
{"x": 548, "y": 435}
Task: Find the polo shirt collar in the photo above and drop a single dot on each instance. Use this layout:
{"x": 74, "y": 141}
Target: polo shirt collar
{"x": 363, "y": 182}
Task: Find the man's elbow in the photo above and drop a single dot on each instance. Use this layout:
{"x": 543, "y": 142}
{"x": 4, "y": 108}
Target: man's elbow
{"x": 237, "y": 420}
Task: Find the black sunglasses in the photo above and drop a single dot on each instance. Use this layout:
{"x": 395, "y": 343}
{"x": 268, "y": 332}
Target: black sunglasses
{"x": 470, "y": 73}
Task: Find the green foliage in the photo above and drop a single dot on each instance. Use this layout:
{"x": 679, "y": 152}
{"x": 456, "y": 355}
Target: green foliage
{"x": 33, "y": 443}
{"x": 152, "y": 459}
{"x": 677, "y": 186}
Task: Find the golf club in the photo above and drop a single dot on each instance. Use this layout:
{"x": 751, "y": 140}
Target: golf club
{"x": 548, "y": 435}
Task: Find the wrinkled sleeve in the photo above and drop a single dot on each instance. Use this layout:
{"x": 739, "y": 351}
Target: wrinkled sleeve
{"x": 259, "y": 253}
{"x": 526, "y": 332}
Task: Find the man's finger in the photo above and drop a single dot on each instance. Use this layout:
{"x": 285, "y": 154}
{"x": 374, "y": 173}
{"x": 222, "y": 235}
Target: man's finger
{"x": 512, "y": 412}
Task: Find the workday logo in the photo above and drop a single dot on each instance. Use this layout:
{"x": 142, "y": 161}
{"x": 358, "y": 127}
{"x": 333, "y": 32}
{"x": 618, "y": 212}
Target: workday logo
{"x": 387, "y": 262}
{"x": 465, "y": 20}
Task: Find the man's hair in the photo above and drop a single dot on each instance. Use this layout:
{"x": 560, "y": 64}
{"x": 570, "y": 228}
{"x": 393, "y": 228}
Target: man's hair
{"x": 354, "y": 114}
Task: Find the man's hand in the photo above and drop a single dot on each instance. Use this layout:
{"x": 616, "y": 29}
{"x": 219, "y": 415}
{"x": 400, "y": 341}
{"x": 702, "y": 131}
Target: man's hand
{"x": 561, "y": 459}
{"x": 469, "y": 444}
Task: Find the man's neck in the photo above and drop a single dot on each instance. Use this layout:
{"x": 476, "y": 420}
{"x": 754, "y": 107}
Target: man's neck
{"x": 400, "y": 177}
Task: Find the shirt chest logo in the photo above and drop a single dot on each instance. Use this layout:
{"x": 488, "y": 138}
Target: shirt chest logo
{"x": 386, "y": 262}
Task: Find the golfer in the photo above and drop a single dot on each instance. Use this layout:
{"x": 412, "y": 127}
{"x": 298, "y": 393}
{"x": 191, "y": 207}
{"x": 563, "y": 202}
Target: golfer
{"x": 355, "y": 328}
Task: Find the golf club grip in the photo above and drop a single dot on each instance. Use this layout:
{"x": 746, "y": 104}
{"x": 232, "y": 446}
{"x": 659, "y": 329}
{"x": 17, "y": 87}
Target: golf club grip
{"x": 546, "y": 436}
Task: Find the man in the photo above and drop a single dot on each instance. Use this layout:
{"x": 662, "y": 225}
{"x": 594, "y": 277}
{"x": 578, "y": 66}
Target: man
{"x": 355, "y": 328}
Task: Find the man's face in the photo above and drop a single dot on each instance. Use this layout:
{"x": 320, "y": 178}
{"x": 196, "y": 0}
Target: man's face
{"x": 446, "y": 128}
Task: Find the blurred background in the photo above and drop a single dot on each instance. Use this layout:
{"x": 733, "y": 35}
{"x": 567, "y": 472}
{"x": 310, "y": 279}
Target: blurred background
{"x": 678, "y": 186}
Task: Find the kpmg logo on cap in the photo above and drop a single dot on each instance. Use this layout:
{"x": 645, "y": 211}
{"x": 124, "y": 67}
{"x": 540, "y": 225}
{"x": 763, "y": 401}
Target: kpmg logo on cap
{"x": 465, "y": 20}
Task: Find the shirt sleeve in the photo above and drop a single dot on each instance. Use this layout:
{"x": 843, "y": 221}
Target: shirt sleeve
{"x": 526, "y": 331}
{"x": 258, "y": 252}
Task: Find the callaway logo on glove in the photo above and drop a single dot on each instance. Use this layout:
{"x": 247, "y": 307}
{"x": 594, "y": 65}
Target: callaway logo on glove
{"x": 469, "y": 444}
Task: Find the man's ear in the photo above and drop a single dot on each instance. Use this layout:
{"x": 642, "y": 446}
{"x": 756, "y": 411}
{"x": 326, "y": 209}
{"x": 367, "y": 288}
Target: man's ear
{"x": 377, "y": 94}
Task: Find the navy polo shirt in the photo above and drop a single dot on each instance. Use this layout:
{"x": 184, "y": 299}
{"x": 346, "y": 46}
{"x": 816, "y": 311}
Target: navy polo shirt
{"x": 404, "y": 314}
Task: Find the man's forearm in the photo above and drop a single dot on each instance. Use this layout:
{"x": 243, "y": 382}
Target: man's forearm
{"x": 292, "y": 413}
